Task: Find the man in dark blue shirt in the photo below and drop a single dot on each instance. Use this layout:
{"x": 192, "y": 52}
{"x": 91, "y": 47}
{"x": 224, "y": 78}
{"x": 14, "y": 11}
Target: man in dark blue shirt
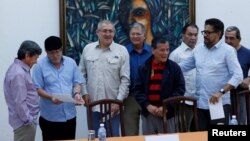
{"x": 139, "y": 52}
{"x": 233, "y": 38}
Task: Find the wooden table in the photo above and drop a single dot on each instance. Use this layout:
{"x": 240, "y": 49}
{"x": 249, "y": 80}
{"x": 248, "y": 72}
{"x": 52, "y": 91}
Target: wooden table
{"x": 188, "y": 136}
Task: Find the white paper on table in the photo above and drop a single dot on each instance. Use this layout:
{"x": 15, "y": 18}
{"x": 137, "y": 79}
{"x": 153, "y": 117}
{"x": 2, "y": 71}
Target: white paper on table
{"x": 216, "y": 110}
{"x": 169, "y": 137}
{"x": 64, "y": 97}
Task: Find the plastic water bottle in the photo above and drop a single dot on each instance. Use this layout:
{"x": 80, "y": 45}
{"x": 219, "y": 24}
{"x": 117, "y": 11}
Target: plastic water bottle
{"x": 102, "y": 133}
{"x": 233, "y": 121}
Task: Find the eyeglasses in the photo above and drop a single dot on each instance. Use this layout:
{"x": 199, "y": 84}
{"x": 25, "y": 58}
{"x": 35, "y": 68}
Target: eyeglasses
{"x": 107, "y": 31}
{"x": 135, "y": 34}
{"x": 207, "y": 33}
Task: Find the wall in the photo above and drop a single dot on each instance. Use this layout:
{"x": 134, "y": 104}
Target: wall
{"x": 38, "y": 19}
{"x": 231, "y": 12}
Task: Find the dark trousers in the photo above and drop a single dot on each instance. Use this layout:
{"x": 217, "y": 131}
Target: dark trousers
{"x": 58, "y": 130}
{"x": 204, "y": 119}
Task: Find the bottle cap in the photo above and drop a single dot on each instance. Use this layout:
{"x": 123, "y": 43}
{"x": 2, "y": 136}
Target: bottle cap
{"x": 101, "y": 124}
{"x": 233, "y": 116}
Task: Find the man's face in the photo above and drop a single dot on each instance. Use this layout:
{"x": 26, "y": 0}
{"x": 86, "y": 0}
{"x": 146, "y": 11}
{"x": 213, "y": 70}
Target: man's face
{"x": 30, "y": 60}
{"x": 161, "y": 52}
{"x": 106, "y": 34}
{"x": 211, "y": 37}
{"x": 231, "y": 39}
{"x": 55, "y": 56}
{"x": 137, "y": 37}
{"x": 190, "y": 36}
{"x": 140, "y": 13}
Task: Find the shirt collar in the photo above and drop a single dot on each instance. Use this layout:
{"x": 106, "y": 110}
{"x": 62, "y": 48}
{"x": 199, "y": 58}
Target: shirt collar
{"x": 217, "y": 45}
{"x": 24, "y": 66}
{"x": 185, "y": 46}
{"x": 62, "y": 60}
{"x": 111, "y": 46}
{"x": 146, "y": 47}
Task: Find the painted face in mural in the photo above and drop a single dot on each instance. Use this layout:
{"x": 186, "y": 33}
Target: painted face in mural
{"x": 140, "y": 13}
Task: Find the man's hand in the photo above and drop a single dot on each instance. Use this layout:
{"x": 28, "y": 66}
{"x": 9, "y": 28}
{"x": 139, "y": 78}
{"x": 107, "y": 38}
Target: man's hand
{"x": 78, "y": 99}
{"x": 86, "y": 99}
{"x": 159, "y": 112}
{"x": 215, "y": 98}
{"x": 114, "y": 109}
{"x": 245, "y": 83}
{"x": 56, "y": 101}
{"x": 152, "y": 109}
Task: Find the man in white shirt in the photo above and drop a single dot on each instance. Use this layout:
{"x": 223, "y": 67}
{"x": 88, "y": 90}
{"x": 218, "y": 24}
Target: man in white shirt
{"x": 189, "y": 40}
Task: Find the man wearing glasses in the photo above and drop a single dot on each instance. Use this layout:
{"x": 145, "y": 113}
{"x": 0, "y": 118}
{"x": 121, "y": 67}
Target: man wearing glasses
{"x": 105, "y": 66}
{"x": 217, "y": 72}
{"x": 139, "y": 52}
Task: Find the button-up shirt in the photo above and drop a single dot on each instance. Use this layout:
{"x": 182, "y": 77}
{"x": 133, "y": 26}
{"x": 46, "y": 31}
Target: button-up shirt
{"x": 215, "y": 67}
{"x": 178, "y": 55}
{"x": 57, "y": 81}
{"x": 106, "y": 71}
{"x": 20, "y": 95}
{"x": 136, "y": 59}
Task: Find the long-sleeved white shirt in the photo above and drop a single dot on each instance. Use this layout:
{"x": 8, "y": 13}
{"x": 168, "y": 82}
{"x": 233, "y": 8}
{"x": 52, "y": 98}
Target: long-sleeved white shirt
{"x": 106, "y": 71}
{"x": 215, "y": 67}
{"x": 178, "y": 55}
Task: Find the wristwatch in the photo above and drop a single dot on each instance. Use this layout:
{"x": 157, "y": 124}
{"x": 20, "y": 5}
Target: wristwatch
{"x": 76, "y": 94}
{"x": 222, "y": 91}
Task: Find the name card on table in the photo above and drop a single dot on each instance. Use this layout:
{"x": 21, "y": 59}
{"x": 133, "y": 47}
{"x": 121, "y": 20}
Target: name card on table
{"x": 170, "y": 137}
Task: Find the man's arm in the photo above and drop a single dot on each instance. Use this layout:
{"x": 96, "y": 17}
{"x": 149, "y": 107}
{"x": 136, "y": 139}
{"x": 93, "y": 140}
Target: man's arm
{"x": 19, "y": 85}
{"x": 41, "y": 92}
{"x": 236, "y": 75}
{"x": 179, "y": 86}
{"x": 245, "y": 83}
{"x": 124, "y": 76}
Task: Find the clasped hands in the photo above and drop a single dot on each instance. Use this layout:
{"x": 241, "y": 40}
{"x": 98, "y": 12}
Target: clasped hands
{"x": 156, "y": 111}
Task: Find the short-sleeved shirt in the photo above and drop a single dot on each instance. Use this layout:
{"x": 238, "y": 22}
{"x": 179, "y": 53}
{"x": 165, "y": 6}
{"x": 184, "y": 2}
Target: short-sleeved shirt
{"x": 57, "y": 81}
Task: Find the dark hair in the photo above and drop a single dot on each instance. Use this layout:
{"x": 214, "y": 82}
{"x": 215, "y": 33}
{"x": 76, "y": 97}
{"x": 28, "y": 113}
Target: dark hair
{"x": 157, "y": 40}
{"x": 52, "y": 43}
{"x": 184, "y": 29}
{"x": 28, "y": 47}
{"x": 234, "y": 28}
{"x": 217, "y": 24}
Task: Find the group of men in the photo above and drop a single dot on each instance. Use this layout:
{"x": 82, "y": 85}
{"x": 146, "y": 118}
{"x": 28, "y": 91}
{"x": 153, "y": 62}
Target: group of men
{"x": 140, "y": 75}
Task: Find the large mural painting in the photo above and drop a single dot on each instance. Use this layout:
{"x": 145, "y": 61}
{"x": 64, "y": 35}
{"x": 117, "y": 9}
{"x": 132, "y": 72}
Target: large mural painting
{"x": 79, "y": 20}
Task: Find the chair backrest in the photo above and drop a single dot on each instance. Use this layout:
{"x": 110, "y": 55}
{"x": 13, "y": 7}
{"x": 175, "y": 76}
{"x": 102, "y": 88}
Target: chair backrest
{"x": 179, "y": 109}
{"x": 246, "y": 94}
{"x": 233, "y": 95}
{"x": 104, "y": 106}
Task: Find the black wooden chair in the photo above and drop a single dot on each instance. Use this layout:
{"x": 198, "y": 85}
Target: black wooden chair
{"x": 104, "y": 108}
{"x": 235, "y": 103}
{"x": 179, "y": 109}
{"x": 246, "y": 94}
